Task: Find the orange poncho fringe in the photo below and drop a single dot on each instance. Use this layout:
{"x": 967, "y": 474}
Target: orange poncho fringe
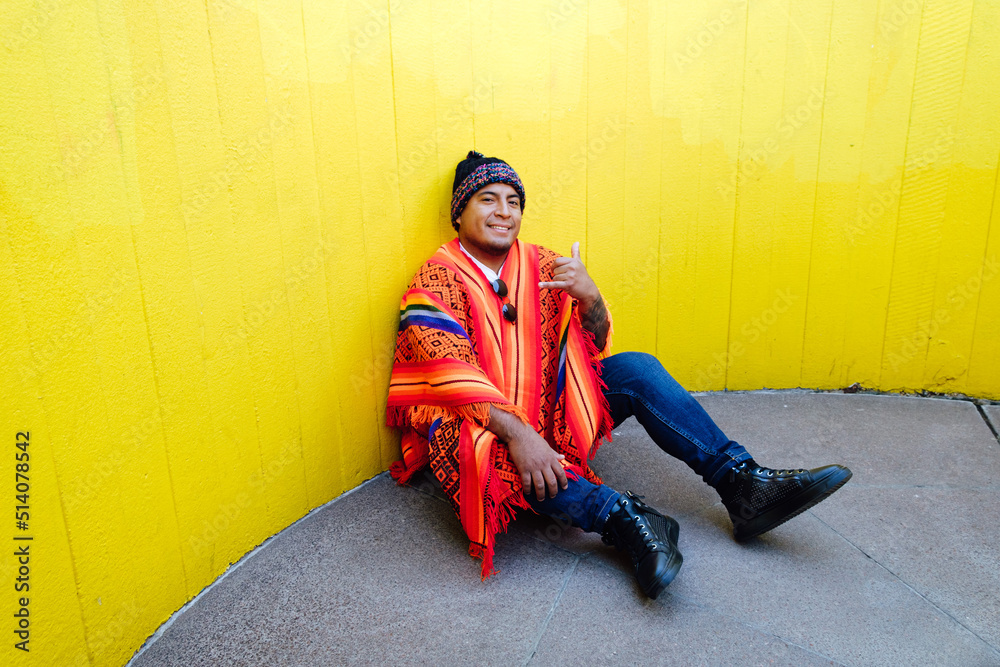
{"x": 452, "y": 364}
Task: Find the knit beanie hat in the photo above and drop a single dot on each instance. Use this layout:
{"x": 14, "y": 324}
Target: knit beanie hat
{"x": 476, "y": 171}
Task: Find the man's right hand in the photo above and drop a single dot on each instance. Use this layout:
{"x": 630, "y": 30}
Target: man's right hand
{"x": 538, "y": 463}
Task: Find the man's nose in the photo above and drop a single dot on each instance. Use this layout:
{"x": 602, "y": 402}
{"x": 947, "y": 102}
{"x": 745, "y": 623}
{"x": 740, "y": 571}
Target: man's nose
{"x": 505, "y": 210}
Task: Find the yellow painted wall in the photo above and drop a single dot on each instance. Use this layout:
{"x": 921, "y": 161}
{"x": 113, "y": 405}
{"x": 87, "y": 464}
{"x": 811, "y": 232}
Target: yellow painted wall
{"x": 209, "y": 209}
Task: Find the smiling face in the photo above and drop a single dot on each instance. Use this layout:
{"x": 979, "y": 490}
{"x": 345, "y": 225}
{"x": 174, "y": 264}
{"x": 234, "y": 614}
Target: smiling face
{"x": 490, "y": 222}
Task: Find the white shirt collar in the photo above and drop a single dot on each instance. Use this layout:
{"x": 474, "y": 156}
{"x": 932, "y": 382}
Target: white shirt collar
{"x": 490, "y": 274}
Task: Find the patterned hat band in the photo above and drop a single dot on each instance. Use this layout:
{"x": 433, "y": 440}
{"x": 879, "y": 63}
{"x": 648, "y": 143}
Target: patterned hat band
{"x": 494, "y": 172}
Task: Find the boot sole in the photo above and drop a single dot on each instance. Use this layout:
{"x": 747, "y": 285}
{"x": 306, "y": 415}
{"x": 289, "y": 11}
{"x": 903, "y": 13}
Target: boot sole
{"x": 672, "y": 569}
{"x": 673, "y": 565}
{"x": 809, "y": 497}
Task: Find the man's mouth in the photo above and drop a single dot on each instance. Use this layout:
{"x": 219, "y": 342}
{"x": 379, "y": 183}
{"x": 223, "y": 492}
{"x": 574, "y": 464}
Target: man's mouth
{"x": 502, "y": 228}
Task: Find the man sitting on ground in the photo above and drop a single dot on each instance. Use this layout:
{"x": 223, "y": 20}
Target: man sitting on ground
{"x": 503, "y": 384}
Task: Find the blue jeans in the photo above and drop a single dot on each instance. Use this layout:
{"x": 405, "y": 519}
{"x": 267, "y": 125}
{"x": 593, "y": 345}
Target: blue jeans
{"x": 639, "y": 386}
{"x": 585, "y": 503}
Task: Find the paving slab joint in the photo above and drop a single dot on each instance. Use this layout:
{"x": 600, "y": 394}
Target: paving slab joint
{"x": 938, "y": 608}
{"x": 552, "y": 610}
{"x": 989, "y": 424}
{"x": 755, "y": 627}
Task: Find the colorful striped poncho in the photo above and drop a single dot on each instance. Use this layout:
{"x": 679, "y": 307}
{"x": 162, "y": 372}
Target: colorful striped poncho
{"x": 456, "y": 356}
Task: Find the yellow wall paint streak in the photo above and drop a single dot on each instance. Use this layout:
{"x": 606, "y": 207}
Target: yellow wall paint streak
{"x": 305, "y": 255}
{"x": 557, "y": 207}
{"x": 380, "y": 212}
{"x": 701, "y": 104}
{"x": 223, "y": 529}
{"x": 603, "y": 250}
{"x": 795, "y": 144}
{"x": 951, "y": 324}
{"x": 209, "y": 212}
{"x": 169, "y": 302}
{"x": 415, "y": 179}
{"x": 53, "y": 606}
{"x": 871, "y": 230}
{"x": 937, "y": 89}
{"x": 149, "y": 538}
{"x": 984, "y": 358}
{"x": 765, "y": 168}
{"x": 639, "y": 132}
{"x": 525, "y": 95}
{"x": 334, "y": 47}
{"x": 836, "y": 227}
{"x": 249, "y": 129}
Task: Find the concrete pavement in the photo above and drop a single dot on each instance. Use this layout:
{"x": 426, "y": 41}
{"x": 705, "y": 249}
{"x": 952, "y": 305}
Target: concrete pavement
{"x": 898, "y": 567}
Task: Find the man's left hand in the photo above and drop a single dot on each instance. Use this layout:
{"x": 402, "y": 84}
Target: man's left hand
{"x": 570, "y": 275}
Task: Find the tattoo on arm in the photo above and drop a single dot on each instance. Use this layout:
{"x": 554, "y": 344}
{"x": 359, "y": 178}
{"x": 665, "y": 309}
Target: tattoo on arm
{"x": 595, "y": 320}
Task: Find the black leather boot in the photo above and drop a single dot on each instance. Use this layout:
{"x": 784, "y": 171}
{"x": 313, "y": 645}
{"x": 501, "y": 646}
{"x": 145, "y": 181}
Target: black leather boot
{"x": 650, "y": 538}
{"x": 759, "y": 499}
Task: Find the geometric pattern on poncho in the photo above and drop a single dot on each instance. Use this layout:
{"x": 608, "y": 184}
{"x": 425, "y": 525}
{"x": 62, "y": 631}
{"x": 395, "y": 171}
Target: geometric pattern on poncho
{"x": 438, "y": 323}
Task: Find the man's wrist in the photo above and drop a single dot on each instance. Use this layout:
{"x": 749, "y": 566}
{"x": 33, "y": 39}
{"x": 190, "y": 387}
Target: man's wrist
{"x": 587, "y": 302}
{"x": 594, "y": 318}
{"x": 504, "y": 425}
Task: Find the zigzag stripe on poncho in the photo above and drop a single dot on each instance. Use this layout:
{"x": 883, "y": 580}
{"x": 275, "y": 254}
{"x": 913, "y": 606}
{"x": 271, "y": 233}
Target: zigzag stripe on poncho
{"x": 456, "y": 356}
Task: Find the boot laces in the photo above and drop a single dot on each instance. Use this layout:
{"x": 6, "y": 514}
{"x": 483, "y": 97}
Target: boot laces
{"x": 761, "y": 471}
{"x": 644, "y": 517}
{"x": 640, "y": 523}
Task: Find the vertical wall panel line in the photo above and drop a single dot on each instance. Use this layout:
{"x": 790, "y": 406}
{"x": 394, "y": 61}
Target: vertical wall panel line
{"x": 986, "y": 258}
{"x": 339, "y": 484}
{"x": 154, "y": 370}
{"x": 816, "y": 183}
{"x": 736, "y": 199}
